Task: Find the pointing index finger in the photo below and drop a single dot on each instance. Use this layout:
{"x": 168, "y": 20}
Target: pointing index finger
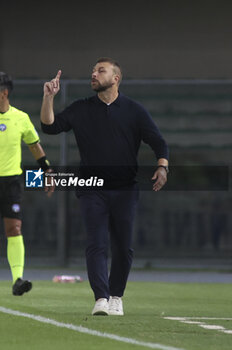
{"x": 58, "y": 75}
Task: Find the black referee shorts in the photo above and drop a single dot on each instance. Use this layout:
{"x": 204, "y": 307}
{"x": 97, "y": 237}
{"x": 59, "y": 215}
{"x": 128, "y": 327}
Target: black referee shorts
{"x": 10, "y": 197}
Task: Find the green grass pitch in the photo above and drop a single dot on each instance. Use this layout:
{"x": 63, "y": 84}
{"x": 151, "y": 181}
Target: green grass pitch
{"x": 146, "y": 305}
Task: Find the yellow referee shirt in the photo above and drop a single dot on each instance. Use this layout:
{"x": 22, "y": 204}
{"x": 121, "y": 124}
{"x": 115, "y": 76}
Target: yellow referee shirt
{"x": 15, "y": 126}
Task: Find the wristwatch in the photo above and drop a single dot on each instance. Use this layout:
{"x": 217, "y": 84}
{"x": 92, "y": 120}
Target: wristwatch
{"x": 165, "y": 167}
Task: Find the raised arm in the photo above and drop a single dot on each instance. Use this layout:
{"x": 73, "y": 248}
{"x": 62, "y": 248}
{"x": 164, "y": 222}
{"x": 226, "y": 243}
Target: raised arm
{"x": 51, "y": 88}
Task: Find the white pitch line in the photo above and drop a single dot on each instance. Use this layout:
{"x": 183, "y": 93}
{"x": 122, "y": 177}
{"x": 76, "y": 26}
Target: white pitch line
{"x": 213, "y": 327}
{"x": 187, "y": 320}
{"x": 191, "y": 322}
{"x": 85, "y": 330}
{"x": 199, "y": 318}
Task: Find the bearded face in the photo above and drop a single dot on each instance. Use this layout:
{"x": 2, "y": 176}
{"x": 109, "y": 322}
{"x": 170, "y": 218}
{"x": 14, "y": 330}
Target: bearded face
{"x": 103, "y": 77}
{"x": 99, "y": 87}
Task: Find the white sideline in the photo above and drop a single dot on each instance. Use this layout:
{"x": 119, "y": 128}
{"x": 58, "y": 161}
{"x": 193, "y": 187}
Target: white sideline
{"x": 199, "y": 318}
{"x": 187, "y": 320}
{"x": 81, "y": 329}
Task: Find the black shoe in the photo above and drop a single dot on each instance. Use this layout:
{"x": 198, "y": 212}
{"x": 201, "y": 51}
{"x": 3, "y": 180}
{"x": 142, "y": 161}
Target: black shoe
{"x": 21, "y": 286}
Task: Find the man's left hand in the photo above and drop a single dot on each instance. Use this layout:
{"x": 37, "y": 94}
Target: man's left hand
{"x": 51, "y": 188}
{"x": 160, "y": 176}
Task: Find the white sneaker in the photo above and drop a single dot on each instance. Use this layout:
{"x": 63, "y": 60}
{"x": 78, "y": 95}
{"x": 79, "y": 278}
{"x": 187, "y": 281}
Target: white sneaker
{"x": 101, "y": 307}
{"x": 115, "y": 306}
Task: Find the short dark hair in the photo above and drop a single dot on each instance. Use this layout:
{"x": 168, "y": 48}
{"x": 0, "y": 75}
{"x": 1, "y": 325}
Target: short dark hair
{"x": 114, "y": 63}
{"x": 6, "y": 82}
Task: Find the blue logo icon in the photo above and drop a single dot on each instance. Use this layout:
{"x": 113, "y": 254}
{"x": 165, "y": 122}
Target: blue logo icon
{"x": 2, "y": 127}
{"x": 34, "y": 178}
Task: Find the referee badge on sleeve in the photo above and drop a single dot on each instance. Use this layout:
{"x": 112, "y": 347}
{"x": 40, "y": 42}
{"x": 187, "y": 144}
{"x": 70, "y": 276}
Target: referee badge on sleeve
{"x": 2, "y": 127}
{"x": 15, "y": 208}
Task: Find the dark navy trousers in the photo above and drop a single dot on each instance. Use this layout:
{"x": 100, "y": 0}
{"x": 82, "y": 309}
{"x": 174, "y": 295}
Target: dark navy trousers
{"x": 109, "y": 217}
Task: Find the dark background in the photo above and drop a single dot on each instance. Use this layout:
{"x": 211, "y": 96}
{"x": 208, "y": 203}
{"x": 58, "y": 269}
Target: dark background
{"x": 151, "y": 38}
{"x": 176, "y": 59}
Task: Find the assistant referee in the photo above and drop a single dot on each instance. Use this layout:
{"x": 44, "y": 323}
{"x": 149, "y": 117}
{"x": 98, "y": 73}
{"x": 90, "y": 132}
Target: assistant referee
{"x": 15, "y": 126}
